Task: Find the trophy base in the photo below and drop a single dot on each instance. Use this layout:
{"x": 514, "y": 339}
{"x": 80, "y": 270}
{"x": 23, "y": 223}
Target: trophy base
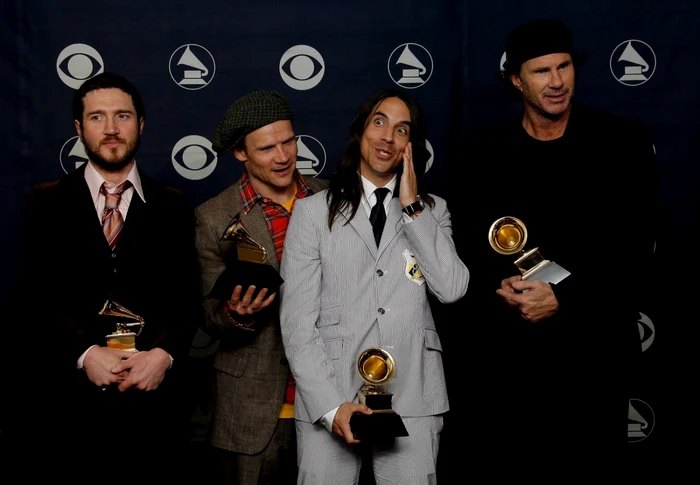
{"x": 381, "y": 426}
{"x": 547, "y": 271}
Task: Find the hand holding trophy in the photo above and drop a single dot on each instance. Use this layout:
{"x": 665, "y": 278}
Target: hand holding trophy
{"x": 245, "y": 264}
{"x": 377, "y": 368}
{"x": 508, "y": 235}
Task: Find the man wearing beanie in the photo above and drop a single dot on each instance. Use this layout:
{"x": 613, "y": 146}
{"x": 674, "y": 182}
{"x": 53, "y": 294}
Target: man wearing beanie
{"x": 251, "y": 415}
{"x": 561, "y": 356}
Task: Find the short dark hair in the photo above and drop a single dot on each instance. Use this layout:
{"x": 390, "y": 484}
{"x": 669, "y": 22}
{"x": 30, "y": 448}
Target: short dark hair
{"x": 106, "y": 80}
{"x": 345, "y": 188}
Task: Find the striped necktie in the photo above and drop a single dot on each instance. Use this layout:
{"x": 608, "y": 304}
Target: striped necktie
{"x": 112, "y": 220}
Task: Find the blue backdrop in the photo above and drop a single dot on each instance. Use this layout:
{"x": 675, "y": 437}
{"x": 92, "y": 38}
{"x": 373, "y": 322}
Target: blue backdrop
{"x": 190, "y": 60}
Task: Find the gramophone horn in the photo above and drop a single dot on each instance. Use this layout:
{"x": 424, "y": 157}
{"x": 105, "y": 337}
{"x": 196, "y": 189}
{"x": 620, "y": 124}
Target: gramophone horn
{"x": 248, "y": 249}
{"x": 376, "y": 366}
{"x": 507, "y": 235}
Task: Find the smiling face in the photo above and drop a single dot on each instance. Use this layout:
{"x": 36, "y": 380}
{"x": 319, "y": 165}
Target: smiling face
{"x": 110, "y": 129}
{"x": 547, "y": 84}
{"x": 270, "y": 157}
{"x": 387, "y": 132}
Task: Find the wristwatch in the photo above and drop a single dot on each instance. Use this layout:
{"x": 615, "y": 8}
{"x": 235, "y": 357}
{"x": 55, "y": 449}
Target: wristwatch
{"x": 412, "y": 210}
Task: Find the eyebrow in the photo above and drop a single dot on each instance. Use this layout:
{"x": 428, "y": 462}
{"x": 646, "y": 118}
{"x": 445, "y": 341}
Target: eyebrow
{"x": 119, "y": 111}
{"x": 265, "y": 147}
{"x": 383, "y": 115}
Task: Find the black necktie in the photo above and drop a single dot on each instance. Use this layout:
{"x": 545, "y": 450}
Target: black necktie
{"x": 377, "y": 216}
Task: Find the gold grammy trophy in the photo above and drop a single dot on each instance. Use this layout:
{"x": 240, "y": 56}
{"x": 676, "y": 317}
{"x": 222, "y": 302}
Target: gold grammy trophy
{"x": 377, "y": 368}
{"x": 245, "y": 264}
{"x": 508, "y": 235}
{"x": 123, "y": 338}
{"x": 247, "y": 248}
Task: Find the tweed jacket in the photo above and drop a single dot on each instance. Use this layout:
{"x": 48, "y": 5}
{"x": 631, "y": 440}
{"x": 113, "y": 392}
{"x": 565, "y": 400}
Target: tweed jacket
{"x": 250, "y": 365}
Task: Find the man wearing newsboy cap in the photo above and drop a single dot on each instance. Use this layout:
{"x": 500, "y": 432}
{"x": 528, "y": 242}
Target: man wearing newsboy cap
{"x": 251, "y": 416}
{"x": 563, "y": 353}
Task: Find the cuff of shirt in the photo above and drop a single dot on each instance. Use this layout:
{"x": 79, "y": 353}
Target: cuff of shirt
{"x": 81, "y": 359}
{"x": 327, "y": 419}
{"x": 244, "y": 326}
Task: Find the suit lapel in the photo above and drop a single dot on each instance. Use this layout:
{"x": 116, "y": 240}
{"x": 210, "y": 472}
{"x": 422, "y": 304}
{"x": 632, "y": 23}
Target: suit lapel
{"x": 360, "y": 223}
{"x": 363, "y": 227}
{"x": 84, "y": 218}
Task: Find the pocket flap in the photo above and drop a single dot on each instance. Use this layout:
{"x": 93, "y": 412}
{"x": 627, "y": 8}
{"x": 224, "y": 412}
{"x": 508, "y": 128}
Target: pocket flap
{"x": 230, "y": 364}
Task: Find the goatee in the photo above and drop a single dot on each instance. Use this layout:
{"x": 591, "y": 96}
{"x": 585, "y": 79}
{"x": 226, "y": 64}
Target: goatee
{"x": 112, "y": 165}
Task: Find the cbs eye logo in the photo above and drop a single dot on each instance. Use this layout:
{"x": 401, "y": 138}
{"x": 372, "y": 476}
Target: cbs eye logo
{"x": 647, "y": 332}
{"x": 431, "y": 159}
{"x": 78, "y": 62}
{"x": 193, "y": 157}
{"x": 302, "y": 67}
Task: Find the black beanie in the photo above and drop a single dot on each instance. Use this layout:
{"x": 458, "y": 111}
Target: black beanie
{"x": 534, "y": 39}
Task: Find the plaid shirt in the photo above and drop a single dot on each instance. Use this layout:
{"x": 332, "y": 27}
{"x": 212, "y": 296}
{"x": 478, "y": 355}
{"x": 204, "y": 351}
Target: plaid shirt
{"x": 276, "y": 216}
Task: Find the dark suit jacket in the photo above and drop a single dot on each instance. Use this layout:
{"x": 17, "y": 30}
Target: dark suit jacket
{"x": 251, "y": 368}
{"x": 67, "y": 272}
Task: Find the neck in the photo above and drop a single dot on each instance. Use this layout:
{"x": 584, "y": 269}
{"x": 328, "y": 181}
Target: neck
{"x": 543, "y": 127}
{"x": 277, "y": 194}
{"x": 114, "y": 177}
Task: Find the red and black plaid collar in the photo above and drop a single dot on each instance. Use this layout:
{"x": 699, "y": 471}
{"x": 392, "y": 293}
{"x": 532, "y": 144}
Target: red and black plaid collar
{"x": 250, "y": 196}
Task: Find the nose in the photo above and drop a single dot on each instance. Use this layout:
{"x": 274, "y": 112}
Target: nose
{"x": 556, "y": 81}
{"x": 388, "y": 134}
{"x": 281, "y": 155}
{"x": 111, "y": 126}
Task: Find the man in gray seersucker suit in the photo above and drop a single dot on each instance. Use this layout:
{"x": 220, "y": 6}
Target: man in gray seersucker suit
{"x": 344, "y": 292}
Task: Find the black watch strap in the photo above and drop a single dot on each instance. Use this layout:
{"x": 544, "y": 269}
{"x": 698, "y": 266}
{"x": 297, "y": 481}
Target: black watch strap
{"x": 411, "y": 209}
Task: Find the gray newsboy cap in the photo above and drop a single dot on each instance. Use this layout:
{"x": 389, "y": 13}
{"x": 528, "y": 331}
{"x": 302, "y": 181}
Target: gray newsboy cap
{"x": 246, "y": 115}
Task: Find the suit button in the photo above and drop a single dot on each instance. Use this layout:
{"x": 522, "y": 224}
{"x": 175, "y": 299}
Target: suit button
{"x": 381, "y": 311}
{"x": 380, "y": 272}
{"x": 115, "y": 270}
{"x": 284, "y": 361}
{"x": 114, "y": 255}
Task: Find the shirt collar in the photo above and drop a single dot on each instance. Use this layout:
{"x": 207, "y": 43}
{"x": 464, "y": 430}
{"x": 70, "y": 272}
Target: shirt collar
{"x": 250, "y": 196}
{"x": 95, "y": 180}
{"x": 368, "y": 188}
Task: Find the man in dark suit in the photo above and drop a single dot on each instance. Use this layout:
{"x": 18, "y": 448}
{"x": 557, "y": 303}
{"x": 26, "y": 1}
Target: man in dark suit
{"x": 106, "y": 236}
{"x": 252, "y": 425}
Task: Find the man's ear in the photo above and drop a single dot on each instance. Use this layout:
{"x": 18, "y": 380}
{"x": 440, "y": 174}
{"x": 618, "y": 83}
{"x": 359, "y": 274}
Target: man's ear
{"x": 517, "y": 83}
{"x": 142, "y": 121}
{"x": 78, "y": 128}
{"x": 240, "y": 154}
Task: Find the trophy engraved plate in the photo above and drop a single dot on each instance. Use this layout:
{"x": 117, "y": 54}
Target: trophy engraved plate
{"x": 377, "y": 368}
{"x": 508, "y": 235}
{"x": 123, "y": 338}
